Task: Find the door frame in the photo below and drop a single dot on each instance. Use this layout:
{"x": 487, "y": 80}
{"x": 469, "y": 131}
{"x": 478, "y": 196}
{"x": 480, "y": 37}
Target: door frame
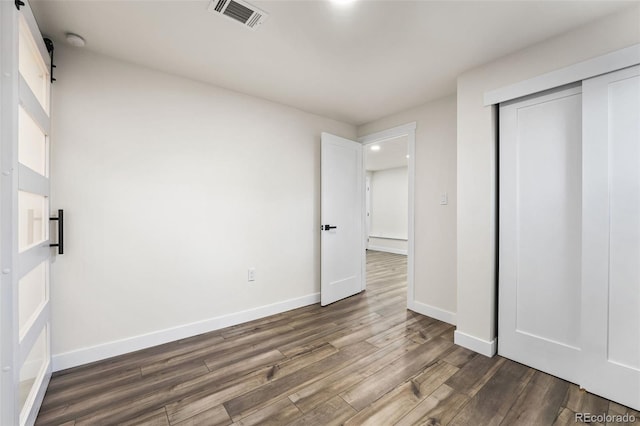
{"x": 408, "y": 130}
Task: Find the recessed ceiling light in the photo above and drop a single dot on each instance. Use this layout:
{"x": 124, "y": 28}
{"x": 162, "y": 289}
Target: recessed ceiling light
{"x": 75, "y": 40}
{"x": 407, "y": 155}
{"x": 342, "y": 2}
{"x": 375, "y": 148}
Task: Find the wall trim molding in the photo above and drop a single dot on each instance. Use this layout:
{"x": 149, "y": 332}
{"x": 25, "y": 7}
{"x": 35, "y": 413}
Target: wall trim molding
{"x": 483, "y": 347}
{"x": 404, "y": 129}
{"x": 378, "y": 237}
{"x": 387, "y": 249}
{"x": 119, "y": 347}
{"x": 593, "y": 67}
{"x": 434, "y": 312}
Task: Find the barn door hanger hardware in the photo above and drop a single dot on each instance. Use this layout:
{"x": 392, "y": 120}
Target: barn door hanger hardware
{"x": 49, "y": 43}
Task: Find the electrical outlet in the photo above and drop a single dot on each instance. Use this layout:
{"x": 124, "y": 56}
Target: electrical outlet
{"x": 251, "y": 274}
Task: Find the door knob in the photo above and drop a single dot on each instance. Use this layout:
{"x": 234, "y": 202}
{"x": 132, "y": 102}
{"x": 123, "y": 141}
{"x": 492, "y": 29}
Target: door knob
{"x": 328, "y": 227}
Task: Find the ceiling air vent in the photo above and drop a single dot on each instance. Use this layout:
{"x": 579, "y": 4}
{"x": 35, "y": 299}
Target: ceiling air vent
{"x": 240, "y": 11}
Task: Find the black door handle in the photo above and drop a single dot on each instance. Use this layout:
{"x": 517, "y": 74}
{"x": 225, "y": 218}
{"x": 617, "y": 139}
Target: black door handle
{"x": 60, "y": 220}
{"x": 328, "y": 227}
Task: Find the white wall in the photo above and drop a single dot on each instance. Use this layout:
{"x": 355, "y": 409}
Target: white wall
{"x": 171, "y": 190}
{"x": 476, "y": 160}
{"x": 389, "y": 210}
{"x": 435, "y": 224}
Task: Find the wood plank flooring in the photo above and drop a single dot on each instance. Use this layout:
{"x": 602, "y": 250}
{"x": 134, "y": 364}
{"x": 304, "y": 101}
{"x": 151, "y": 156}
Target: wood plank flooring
{"x": 363, "y": 360}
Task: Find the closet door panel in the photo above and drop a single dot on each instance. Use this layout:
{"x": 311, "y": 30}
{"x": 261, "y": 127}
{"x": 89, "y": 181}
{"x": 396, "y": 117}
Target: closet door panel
{"x": 548, "y": 225}
{"x": 624, "y": 208}
{"x": 540, "y": 231}
{"x": 611, "y": 242}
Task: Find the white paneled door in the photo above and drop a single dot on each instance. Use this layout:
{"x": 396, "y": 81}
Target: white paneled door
{"x": 611, "y": 238}
{"x": 342, "y": 207}
{"x": 25, "y": 254}
{"x": 540, "y": 202}
{"x": 569, "y": 271}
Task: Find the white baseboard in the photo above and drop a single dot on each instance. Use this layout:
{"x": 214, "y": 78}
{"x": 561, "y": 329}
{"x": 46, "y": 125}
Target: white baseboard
{"x": 119, "y": 347}
{"x": 481, "y": 346}
{"x": 387, "y": 249}
{"x": 433, "y": 312}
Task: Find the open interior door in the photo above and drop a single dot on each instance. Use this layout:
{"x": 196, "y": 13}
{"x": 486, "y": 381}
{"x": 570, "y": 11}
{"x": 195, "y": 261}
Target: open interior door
{"x": 342, "y": 207}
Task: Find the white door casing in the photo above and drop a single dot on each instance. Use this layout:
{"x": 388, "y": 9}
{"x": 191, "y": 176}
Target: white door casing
{"x": 367, "y": 212}
{"x": 539, "y": 248}
{"x": 408, "y": 130}
{"x": 24, "y": 216}
{"x": 341, "y": 206}
{"x": 611, "y": 236}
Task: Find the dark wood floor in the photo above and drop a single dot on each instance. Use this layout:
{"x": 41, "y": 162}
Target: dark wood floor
{"x": 363, "y": 360}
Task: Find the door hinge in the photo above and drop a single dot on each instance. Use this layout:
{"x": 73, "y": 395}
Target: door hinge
{"x": 18, "y": 4}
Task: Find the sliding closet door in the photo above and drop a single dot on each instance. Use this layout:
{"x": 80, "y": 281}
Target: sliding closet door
{"x": 611, "y": 242}
{"x": 540, "y": 229}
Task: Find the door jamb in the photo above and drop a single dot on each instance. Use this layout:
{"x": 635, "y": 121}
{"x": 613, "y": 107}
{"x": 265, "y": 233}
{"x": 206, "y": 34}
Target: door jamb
{"x": 408, "y": 130}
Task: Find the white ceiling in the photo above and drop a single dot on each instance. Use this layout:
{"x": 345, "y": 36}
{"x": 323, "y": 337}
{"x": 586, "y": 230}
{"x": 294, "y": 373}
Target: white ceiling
{"x": 354, "y": 63}
{"x": 392, "y": 154}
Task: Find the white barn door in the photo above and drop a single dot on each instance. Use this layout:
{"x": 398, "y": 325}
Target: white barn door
{"x": 540, "y": 244}
{"x": 611, "y": 240}
{"x": 25, "y": 251}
